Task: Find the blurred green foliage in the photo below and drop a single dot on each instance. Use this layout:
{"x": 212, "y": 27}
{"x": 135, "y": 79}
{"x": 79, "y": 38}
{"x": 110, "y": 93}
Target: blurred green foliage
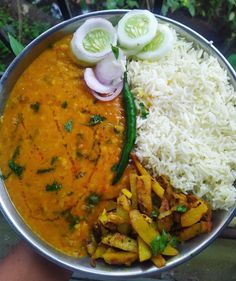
{"x": 224, "y": 10}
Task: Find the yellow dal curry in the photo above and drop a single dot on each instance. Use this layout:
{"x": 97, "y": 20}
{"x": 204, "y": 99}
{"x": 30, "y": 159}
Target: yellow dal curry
{"x": 57, "y": 149}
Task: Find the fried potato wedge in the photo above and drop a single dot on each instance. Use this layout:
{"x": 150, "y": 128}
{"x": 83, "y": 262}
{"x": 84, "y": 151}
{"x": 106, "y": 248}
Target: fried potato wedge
{"x": 119, "y": 258}
{"x": 144, "y": 251}
{"x": 159, "y": 261}
{"x": 142, "y": 227}
{"x": 194, "y": 215}
{"x": 121, "y": 241}
{"x": 144, "y": 194}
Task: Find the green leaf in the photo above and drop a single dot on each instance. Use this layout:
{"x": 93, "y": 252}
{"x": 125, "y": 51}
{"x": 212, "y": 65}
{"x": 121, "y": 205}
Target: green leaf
{"x": 68, "y": 126}
{"x": 154, "y": 214}
{"x": 5, "y": 177}
{"x": 96, "y": 119}
{"x": 143, "y": 111}
{"x": 16, "y": 168}
{"x": 35, "y": 106}
{"x": 47, "y": 170}
{"x": 55, "y": 186}
{"x": 64, "y": 104}
{"x": 93, "y": 199}
{"x": 115, "y": 51}
{"x": 16, "y": 46}
{"x": 181, "y": 208}
{"x": 159, "y": 243}
{"x": 70, "y": 218}
{"x": 232, "y": 60}
{"x": 54, "y": 160}
{"x": 174, "y": 241}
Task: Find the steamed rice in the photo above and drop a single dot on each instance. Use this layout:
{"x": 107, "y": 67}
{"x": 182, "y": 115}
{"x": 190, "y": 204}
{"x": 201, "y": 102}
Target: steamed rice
{"x": 190, "y": 131}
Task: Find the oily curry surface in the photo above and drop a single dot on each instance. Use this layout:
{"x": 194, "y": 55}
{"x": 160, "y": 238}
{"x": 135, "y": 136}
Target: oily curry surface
{"x": 57, "y": 149}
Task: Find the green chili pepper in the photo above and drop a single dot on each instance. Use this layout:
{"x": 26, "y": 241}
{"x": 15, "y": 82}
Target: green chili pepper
{"x": 130, "y": 130}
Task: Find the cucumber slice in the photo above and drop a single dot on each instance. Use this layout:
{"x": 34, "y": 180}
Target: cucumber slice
{"x": 160, "y": 45}
{"x": 136, "y": 29}
{"x": 92, "y": 40}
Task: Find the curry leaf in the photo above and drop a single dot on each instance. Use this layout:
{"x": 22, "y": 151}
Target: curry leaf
{"x": 16, "y": 46}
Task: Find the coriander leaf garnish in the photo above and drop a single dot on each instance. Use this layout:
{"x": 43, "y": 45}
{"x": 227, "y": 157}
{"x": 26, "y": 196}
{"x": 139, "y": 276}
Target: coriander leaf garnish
{"x": 159, "y": 243}
{"x": 54, "y": 160}
{"x": 181, "y": 208}
{"x": 154, "y": 214}
{"x": 93, "y": 199}
{"x": 115, "y": 51}
{"x": 68, "y": 126}
{"x": 35, "y": 106}
{"x": 64, "y": 104}
{"x": 5, "y": 177}
{"x": 47, "y": 170}
{"x": 96, "y": 119}
{"x": 143, "y": 111}
{"x": 55, "y": 186}
{"x": 16, "y": 168}
{"x": 70, "y": 218}
{"x": 174, "y": 241}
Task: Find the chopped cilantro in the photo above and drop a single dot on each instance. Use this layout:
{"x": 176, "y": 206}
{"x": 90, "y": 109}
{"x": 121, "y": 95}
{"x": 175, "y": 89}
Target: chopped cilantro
{"x": 96, "y": 119}
{"x": 174, "y": 241}
{"x": 159, "y": 243}
{"x": 115, "y": 51}
{"x": 181, "y": 208}
{"x": 70, "y": 218}
{"x": 55, "y": 186}
{"x": 35, "y": 106}
{"x": 64, "y": 104}
{"x": 79, "y": 154}
{"x": 93, "y": 199}
{"x": 16, "y": 168}
{"x": 5, "y": 177}
{"x": 143, "y": 111}
{"x": 47, "y": 170}
{"x": 154, "y": 214}
{"x": 68, "y": 126}
{"x": 54, "y": 160}
{"x": 16, "y": 153}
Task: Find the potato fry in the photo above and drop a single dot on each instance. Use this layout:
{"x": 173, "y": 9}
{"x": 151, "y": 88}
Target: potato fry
{"x": 126, "y": 192}
{"x": 143, "y": 228}
{"x": 190, "y": 232}
{"x": 194, "y": 215}
{"x": 119, "y": 258}
{"x": 144, "y": 194}
{"x": 170, "y": 251}
{"x": 143, "y": 250}
{"x": 139, "y": 166}
{"x": 100, "y": 251}
{"x": 159, "y": 261}
{"x": 158, "y": 189}
{"x": 133, "y": 189}
{"x": 124, "y": 202}
{"x": 121, "y": 241}
{"x": 124, "y": 228}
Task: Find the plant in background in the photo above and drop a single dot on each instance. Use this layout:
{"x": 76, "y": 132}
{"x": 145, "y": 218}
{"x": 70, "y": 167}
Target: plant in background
{"x": 125, "y": 4}
{"x": 221, "y": 10}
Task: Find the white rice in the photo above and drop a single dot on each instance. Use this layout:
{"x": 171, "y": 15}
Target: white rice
{"x": 190, "y": 131}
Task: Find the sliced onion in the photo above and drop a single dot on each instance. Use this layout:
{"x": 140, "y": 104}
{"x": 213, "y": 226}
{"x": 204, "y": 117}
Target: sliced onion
{"x": 111, "y": 96}
{"x": 110, "y": 70}
{"x": 95, "y": 85}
